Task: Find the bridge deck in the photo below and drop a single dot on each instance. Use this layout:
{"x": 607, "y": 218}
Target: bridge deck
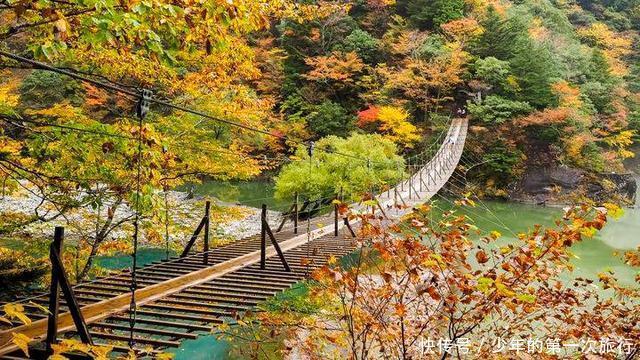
{"x": 181, "y": 298}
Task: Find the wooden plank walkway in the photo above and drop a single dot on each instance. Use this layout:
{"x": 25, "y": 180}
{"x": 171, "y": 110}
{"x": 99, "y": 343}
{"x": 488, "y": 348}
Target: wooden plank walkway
{"x": 181, "y": 298}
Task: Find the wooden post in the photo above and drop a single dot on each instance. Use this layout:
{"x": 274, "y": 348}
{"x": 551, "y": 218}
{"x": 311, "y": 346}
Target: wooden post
{"x": 335, "y": 220}
{"x": 263, "y": 237}
{"x": 295, "y": 218}
{"x": 187, "y": 248}
{"x": 346, "y": 223}
{"x": 205, "y": 257}
{"x": 59, "y": 273}
{"x": 54, "y": 295}
{"x": 395, "y": 196}
{"x": 266, "y": 230}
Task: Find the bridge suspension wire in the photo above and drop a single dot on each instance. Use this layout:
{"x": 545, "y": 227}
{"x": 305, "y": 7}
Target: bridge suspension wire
{"x": 500, "y": 223}
{"x": 462, "y": 182}
{"x": 75, "y": 75}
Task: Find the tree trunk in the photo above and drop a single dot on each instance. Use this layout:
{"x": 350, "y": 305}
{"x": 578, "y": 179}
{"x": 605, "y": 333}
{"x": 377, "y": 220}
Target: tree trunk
{"x": 100, "y": 237}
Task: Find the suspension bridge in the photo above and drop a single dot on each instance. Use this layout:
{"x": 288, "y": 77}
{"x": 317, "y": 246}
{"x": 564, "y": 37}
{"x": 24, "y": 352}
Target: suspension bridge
{"x": 186, "y": 296}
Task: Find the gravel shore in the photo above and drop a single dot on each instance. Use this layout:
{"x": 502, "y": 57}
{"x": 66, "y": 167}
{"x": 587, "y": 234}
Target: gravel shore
{"x": 232, "y": 221}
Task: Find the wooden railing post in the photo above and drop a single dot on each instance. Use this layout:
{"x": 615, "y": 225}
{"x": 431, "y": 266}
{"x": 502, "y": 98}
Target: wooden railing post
{"x": 295, "y": 217}
{"x": 335, "y": 219}
{"x": 54, "y": 295}
{"x": 58, "y": 273}
{"x": 263, "y": 237}
{"x": 266, "y": 231}
{"x": 207, "y": 211}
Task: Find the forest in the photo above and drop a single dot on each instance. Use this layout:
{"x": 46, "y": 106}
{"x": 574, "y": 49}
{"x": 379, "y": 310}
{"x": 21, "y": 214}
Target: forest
{"x": 120, "y": 120}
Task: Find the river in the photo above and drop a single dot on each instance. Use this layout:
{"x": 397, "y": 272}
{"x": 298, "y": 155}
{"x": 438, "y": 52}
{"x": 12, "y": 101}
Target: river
{"x": 592, "y": 256}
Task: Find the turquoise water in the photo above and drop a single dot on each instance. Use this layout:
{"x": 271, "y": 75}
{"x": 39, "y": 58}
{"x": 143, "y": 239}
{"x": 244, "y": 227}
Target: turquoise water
{"x": 592, "y": 255}
{"x": 123, "y": 261}
{"x": 203, "y": 348}
{"x": 250, "y": 193}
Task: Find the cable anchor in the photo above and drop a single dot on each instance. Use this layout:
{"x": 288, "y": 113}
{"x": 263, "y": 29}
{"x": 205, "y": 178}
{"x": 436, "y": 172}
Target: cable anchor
{"x": 142, "y": 106}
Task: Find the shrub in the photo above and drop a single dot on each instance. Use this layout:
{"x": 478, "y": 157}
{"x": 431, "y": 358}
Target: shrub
{"x": 329, "y": 173}
{"x": 496, "y": 109}
{"x": 363, "y": 44}
{"x": 330, "y": 118}
{"x": 42, "y": 89}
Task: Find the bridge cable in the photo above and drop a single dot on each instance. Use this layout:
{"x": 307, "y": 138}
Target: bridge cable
{"x": 142, "y": 109}
{"x": 74, "y": 74}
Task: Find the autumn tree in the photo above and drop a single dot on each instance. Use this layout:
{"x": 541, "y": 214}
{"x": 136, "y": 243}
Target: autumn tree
{"x": 436, "y": 287}
{"x": 78, "y": 146}
{"x": 391, "y": 121}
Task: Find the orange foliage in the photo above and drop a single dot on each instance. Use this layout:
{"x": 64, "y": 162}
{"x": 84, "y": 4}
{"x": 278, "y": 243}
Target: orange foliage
{"x": 568, "y": 94}
{"x": 428, "y": 82}
{"x": 338, "y": 66}
{"x": 402, "y": 288}
{"x": 538, "y": 31}
{"x": 546, "y": 117}
{"x": 462, "y": 29}
{"x": 95, "y": 96}
{"x": 368, "y": 116}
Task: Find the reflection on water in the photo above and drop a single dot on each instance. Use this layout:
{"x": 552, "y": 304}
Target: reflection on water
{"x": 592, "y": 255}
{"x": 249, "y": 193}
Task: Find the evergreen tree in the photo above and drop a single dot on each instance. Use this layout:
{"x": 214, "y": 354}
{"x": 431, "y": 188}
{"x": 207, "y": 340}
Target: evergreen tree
{"x": 429, "y": 14}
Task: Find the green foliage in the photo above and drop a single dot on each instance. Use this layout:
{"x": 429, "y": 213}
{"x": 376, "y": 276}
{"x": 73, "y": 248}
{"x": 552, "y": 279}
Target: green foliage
{"x": 599, "y": 95}
{"x": 634, "y": 120}
{"x": 502, "y": 37}
{"x": 431, "y": 47}
{"x": 535, "y": 71}
{"x": 495, "y": 109}
{"x": 362, "y": 43}
{"x": 330, "y": 118}
{"x": 507, "y": 39}
{"x": 493, "y": 72}
{"x": 598, "y": 68}
{"x": 500, "y": 162}
{"x": 327, "y": 173}
{"x": 551, "y": 16}
{"x": 433, "y": 13}
{"x": 591, "y": 158}
{"x": 42, "y": 89}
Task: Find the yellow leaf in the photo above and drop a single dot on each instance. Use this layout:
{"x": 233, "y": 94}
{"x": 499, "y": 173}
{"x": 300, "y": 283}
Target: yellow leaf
{"x": 224, "y": 327}
{"x": 503, "y": 289}
{"x": 16, "y": 311}
{"x": 40, "y": 307}
{"x": 614, "y": 210}
{"x": 21, "y": 341}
